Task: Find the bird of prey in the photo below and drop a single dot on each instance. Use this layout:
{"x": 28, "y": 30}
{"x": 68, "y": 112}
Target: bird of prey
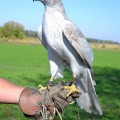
{"x": 67, "y": 47}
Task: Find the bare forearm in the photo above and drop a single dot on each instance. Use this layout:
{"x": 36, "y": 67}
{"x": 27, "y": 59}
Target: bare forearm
{"x": 9, "y": 93}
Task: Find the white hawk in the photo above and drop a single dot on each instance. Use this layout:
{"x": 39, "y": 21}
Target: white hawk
{"x": 67, "y": 46}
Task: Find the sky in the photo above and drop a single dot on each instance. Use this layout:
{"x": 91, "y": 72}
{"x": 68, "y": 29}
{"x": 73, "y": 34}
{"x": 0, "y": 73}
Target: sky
{"x": 98, "y": 19}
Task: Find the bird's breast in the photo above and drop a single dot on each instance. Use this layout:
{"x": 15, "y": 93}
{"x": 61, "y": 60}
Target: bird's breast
{"x": 54, "y": 36}
{"x": 53, "y": 33}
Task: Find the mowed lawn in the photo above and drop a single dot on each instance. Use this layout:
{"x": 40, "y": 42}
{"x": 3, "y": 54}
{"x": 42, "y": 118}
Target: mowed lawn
{"x": 27, "y": 65}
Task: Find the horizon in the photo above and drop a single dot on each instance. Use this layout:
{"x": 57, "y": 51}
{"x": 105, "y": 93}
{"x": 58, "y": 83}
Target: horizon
{"x": 96, "y": 19}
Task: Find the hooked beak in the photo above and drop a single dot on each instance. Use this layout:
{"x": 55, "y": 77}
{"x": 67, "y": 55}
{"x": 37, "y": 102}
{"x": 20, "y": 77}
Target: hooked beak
{"x": 36, "y": 0}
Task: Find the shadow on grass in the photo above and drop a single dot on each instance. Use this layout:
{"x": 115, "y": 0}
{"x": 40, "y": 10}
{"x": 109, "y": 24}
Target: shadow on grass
{"x": 108, "y": 91}
{"x": 108, "y": 82}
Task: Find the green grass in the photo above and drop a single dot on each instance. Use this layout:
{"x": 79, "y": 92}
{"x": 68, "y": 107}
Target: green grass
{"x": 27, "y": 65}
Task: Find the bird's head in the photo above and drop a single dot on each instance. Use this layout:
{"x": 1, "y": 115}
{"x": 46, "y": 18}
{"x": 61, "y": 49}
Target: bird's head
{"x": 49, "y": 2}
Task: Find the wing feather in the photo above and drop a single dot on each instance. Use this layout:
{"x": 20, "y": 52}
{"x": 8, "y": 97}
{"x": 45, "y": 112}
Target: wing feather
{"x": 78, "y": 41}
{"x": 41, "y": 37}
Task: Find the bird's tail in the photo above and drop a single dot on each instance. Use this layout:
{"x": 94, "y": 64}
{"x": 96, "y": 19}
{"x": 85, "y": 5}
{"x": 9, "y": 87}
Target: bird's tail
{"x": 88, "y": 99}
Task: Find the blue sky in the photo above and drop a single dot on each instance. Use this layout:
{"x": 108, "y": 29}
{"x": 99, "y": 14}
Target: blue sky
{"x": 96, "y": 18}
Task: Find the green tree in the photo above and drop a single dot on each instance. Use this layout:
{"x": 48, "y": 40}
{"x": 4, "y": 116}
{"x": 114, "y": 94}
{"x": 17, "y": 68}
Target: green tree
{"x": 13, "y": 30}
{"x": 1, "y": 34}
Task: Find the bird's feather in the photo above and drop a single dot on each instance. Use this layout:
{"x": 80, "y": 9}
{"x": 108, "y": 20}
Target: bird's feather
{"x": 78, "y": 41}
{"x": 88, "y": 99}
{"x": 41, "y": 36}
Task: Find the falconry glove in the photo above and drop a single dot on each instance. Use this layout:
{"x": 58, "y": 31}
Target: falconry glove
{"x": 41, "y": 104}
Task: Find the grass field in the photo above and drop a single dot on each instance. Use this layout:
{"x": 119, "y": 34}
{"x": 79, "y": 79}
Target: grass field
{"x": 28, "y": 65}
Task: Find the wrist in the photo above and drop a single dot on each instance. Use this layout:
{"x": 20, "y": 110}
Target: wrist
{"x": 30, "y": 101}
{"x": 9, "y": 92}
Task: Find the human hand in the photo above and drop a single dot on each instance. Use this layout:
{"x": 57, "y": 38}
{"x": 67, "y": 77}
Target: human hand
{"x": 37, "y": 103}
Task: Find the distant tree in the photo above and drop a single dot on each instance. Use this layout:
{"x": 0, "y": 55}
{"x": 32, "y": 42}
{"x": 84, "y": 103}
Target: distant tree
{"x": 92, "y": 40}
{"x": 13, "y": 30}
{"x": 30, "y": 33}
{"x": 1, "y": 34}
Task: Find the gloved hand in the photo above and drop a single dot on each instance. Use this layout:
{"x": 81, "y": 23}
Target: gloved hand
{"x": 34, "y": 102}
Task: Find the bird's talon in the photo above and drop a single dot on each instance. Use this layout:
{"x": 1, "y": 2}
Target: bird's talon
{"x": 41, "y": 87}
{"x": 72, "y": 103}
{"x": 72, "y": 89}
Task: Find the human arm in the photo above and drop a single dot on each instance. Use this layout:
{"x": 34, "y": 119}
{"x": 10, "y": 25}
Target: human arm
{"x": 31, "y": 100}
{"x": 9, "y": 92}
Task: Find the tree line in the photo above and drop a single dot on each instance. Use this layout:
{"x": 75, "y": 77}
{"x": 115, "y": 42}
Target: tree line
{"x": 92, "y": 40}
{"x": 15, "y": 30}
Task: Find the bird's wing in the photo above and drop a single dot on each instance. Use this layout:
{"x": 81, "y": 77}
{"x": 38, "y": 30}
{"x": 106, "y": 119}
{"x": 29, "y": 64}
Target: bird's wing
{"x": 78, "y": 41}
{"x": 41, "y": 37}
{"x": 88, "y": 99}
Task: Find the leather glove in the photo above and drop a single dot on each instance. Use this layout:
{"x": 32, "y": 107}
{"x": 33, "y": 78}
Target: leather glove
{"x": 32, "y": 101}
{"x": 58, "y": 96}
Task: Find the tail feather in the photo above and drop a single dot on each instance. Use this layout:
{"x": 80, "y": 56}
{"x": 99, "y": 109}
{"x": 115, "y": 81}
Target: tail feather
{"x": 88, "y": 99}
{"x": 58, "y": 73}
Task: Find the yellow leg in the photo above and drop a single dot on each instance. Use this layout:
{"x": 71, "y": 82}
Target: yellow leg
{"x": 51, "y": 79}
{"x": 72, "y": 89}
{"x": 41, "y": 87}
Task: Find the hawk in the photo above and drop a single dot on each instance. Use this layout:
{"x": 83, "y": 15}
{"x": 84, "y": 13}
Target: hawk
{"x": 67, "y": 47}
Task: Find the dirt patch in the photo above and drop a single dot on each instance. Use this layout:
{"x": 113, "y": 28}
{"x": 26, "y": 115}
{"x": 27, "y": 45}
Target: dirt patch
{"x": 37, "y": 41}
{"x": 105, "y": 46}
